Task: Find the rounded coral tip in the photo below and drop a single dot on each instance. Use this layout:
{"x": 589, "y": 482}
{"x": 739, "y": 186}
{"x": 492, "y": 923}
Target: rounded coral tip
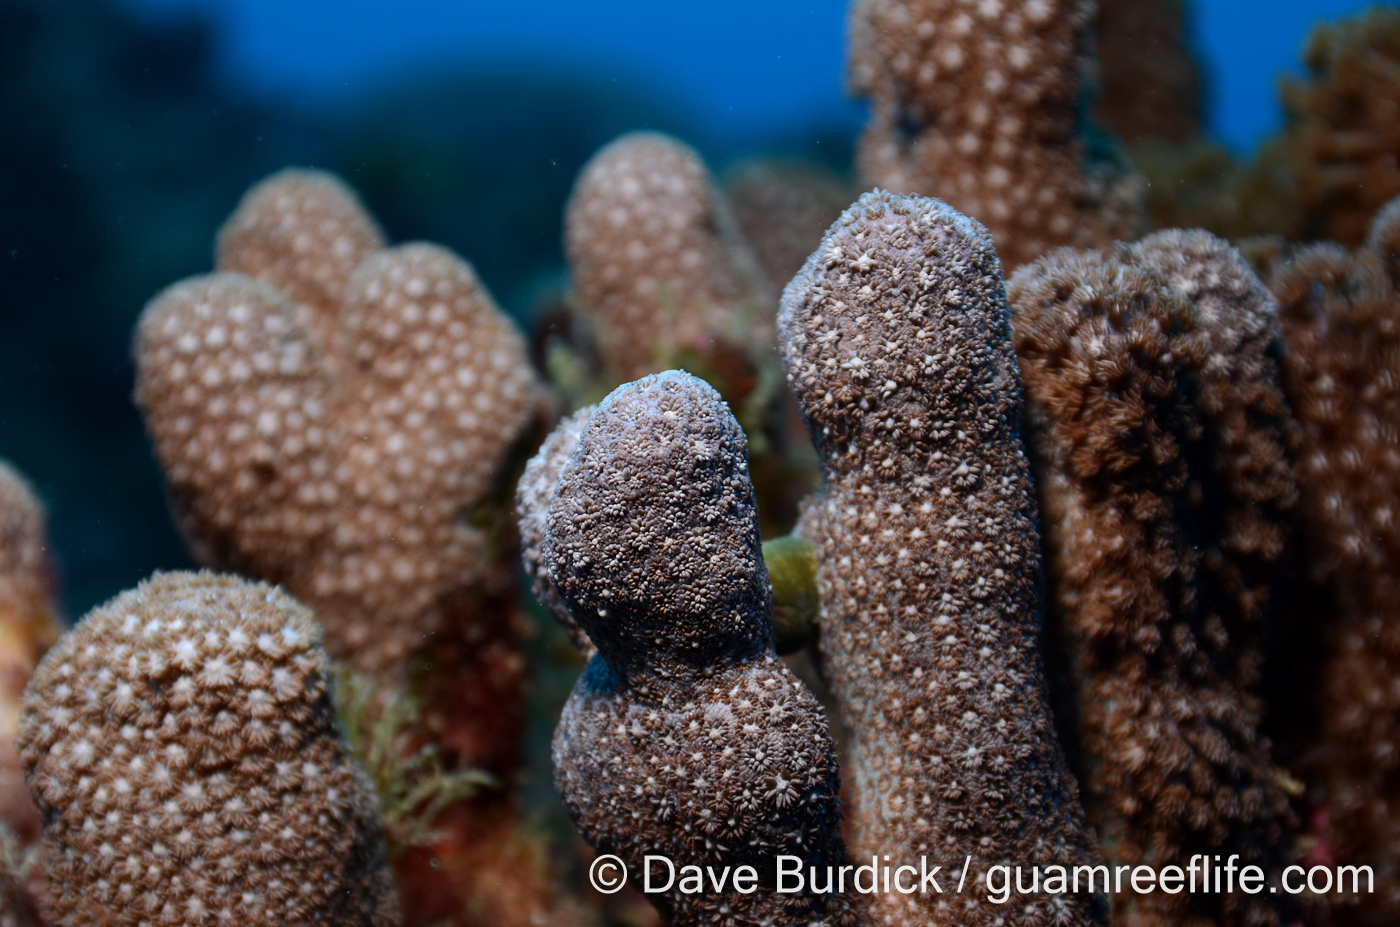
{"x": 184, "y": 752}
{"x": 652, "y": 537}
{"x": 304, "y": 232}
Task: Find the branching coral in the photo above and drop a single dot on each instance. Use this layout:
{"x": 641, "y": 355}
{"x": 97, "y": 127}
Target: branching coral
{"x": 1159, "y": 429}
{"x": 898, "y": 347}
{"x": 1341, "y": 321}
{"x": 355, "y": 447}
{"x": 657, "y": 260}
{"x": 789, "y": 560}
{"x": 27, "y": 629}
{"x": 685, "y": 736}
{"x": 345, "y": 464}
{"x": 977, "y": 103}
{"x": 183, "y": 748}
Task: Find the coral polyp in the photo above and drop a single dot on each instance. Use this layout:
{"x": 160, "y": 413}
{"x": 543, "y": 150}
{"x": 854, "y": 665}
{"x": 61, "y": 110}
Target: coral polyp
{"x": 1158, "y": 423}
{"x": 28, "y": 627}
{"x": 1340, "y": 312}
{"x": 657, "y": 258}
{"x": 977, "y": 104}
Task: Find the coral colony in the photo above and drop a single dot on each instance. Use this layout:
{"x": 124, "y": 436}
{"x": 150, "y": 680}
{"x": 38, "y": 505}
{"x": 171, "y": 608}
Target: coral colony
{"x": 897, "y": 344}
{"x": 1157, "y": 424}
{"x": 183, "y": 750}
{"x": 1091, "y": 609}
{"x": 685, "y": 737}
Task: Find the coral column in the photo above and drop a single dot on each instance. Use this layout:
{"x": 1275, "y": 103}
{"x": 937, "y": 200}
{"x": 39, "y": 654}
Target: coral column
{"x": 979, "y": 103}
{"x": 898, "y": 347}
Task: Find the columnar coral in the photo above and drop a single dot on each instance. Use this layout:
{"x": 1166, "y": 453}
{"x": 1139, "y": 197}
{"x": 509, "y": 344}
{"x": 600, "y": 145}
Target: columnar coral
{"x": 1159, "y": 429}
{"x": 657, "y": 260}
{"x": 27, "y": 629}
{"x": 1341, "y": 321}
{"x": 978, "y": 104}
{"x": 1343, "y": 124}
{"x": 685, "y": 736}
{"x": 783, "y": 207}
{"x": 183, "y": 748}
{"x": 533, "y": 495}
{"x": 337, "y": 447}
{"x": 347, "y": 431}
{"x": 1149, "y": 84}
{"x": 305, "y": 232}
{"x": 898, "y": 346}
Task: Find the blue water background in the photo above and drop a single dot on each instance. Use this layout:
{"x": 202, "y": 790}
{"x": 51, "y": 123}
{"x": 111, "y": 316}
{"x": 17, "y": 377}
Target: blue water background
{"x": 745, "y": 69}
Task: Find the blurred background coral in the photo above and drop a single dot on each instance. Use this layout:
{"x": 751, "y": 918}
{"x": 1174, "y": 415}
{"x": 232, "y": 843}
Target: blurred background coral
{"x": 129, "y": 129}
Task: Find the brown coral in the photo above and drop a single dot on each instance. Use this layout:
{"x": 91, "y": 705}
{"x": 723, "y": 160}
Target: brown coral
{"x": 783, "y": 207}
{"x": 533, "y": 495}
{"x": 897, "y": 344}
{"x": 182, "y": 745}
{"x": 357, "y": 448}
{"x": 657, "y": 260}
{"x": 347, "y": 469}
{"x": 1341, "y": 321}
{"x": 976, "y": 103}
{"x": 685, "y": 737}
{"x": 1149, "y": 83}
{"x": 1342, "y": 135}
{"x": 1324, "y": 174}
{"x": 27, "y": 629}
{"x": 1159, "y": 429}
{"x": 305, "y": 232}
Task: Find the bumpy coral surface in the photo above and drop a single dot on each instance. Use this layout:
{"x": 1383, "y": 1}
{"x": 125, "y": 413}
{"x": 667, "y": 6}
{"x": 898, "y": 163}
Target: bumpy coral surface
{"x": 1159, "y": 425}
{"x": 685, "y": 736}
{"x": 183, "y": 748}
{"x": 1341, "y": 319}
{"x": 656, "y": 258}
{"x": 27, "y": 629}
{"x": 976, "y": 103}
{"x": 305, "y": 232}
{"x": 1249, "y": 425}
{"x": 533, "y": 495}
{"x": 23, "y": 558}
{"x": 346, "y": 468}
{"x": 898, "y": 346}
{"x": 1343, "y": 128}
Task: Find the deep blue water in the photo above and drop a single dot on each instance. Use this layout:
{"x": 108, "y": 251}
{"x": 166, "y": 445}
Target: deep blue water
{"x": 745, "y": 68}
